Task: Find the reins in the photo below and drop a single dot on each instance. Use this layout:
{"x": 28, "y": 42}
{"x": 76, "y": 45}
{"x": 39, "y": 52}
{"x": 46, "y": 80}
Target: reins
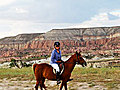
{"x": 77, "y": 59}
{"x": 70, "y": 62}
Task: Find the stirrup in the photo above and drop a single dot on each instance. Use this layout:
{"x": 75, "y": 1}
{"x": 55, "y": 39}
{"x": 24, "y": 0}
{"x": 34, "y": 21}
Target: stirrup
{"x": 58, "y": 82}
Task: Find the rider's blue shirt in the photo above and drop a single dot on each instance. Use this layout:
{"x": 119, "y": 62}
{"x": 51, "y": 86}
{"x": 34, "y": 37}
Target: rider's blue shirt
{"x": 55, "y": 56}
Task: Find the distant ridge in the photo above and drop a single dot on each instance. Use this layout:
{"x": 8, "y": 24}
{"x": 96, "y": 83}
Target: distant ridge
{"x": 61, "y": 34}
{"x": 96, "y": 40}
{"x": 74, "y": 33}
{"x": 20, "y": 38}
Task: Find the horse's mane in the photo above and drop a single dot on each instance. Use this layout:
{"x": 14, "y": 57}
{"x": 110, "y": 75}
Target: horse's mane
{"x": 70, "y": 58}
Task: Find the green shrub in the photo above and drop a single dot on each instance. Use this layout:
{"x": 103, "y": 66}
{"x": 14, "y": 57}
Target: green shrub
{"x": 12, "y": 63}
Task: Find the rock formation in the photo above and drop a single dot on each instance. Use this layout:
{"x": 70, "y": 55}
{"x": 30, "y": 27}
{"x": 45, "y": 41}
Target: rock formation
{"x": 85, "y": 39}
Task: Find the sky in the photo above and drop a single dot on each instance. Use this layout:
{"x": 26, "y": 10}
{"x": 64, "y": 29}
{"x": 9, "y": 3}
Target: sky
{"x": 38, "y": 16}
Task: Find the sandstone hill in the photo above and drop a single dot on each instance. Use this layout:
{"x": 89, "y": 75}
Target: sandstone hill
{"x": 72, "y": 39}
{"x": 97, "y": 40}
{"x": 77, "y": 33}
{"x": 21, "y": 38}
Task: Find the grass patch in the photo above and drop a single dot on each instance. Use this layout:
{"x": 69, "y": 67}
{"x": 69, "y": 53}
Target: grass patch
{"x": 91, "y": 85}
{"x": 107, "y": 77}
{"x": 111, "y": 85}
{"x": 19, "y": 74}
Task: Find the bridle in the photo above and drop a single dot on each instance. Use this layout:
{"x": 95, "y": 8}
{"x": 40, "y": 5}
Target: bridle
{"x": 77, "y": 58}
{"x": 77, "y": 62}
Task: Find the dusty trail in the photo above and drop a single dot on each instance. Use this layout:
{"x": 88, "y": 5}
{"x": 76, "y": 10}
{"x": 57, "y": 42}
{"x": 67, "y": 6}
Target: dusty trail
{"x": 11, "y": 84}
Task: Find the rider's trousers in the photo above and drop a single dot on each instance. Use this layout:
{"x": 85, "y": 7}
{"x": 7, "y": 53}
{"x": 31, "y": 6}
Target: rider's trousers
{"x": 56, "y": 67}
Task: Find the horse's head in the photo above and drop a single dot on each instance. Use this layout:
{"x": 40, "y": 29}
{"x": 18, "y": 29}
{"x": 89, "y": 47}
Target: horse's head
{"x": 79, "y": 59}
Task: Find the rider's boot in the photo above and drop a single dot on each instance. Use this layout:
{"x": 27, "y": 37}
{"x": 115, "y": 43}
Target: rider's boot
{"x": 58, "y": 78}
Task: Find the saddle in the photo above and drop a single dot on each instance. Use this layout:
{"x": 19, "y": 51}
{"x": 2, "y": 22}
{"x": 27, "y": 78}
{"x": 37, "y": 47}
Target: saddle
{"x": 61, "y": 66}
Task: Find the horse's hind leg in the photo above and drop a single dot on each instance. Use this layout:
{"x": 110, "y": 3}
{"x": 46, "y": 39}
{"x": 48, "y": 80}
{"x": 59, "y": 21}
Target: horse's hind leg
{"x": 37, "y": 84}
{"x": 41, "y": 86}
{"x": 43, "y": 83}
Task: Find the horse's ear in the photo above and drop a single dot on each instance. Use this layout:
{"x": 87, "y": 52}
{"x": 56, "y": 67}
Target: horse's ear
{"x": 76, "y": 52}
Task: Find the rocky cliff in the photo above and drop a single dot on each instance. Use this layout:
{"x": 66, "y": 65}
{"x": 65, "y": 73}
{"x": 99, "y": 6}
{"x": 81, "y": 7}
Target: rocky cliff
{"x": 71, "y": 39}
{"x": 78, "y": 33}
{"x": 21, "y": 38}
{"x": 84, "y": 39}
{"x": 17, "y": 42}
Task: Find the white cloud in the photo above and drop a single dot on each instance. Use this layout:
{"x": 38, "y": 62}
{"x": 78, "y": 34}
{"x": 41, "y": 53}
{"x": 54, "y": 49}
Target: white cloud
{"x": 14, "y": 27}
{"x": 21, "y": 10}
{"x": 6, "y": 2}
{"x": 10, "y": 27}
{"x": 100, "y": 17}
{"x": 26, "y": 16}
{"x": 116, "y": 13}
{"x": 101, "y": 20}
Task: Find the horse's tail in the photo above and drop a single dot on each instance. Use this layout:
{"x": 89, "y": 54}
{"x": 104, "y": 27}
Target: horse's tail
{"x": 34, "y": 66}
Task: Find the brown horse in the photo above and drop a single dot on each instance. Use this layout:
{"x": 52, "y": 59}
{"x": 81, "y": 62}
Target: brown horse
{"x": 45, "y": 71}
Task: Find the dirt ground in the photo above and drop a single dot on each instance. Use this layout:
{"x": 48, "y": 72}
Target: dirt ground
{"x": 12, "y": 84}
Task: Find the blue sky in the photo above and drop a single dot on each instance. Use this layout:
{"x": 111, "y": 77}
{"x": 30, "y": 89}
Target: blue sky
{"x": 36, "y": 16}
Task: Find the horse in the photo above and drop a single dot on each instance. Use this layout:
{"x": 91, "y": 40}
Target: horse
{"x": 45, "y": 71}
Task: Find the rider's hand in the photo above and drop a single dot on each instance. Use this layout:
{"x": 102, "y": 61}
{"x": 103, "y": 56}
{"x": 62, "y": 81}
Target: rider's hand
{"x": 58, "y": 61}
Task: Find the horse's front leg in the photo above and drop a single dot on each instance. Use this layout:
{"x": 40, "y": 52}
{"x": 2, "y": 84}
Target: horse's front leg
{"x": 65, "y": 85}
{"x": 61, "y": 86}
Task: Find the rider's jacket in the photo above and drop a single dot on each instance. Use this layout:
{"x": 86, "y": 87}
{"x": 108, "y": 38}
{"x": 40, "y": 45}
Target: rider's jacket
{"x": 55, "y": 56}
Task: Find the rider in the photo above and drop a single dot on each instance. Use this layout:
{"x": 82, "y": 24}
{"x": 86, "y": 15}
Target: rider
{"x": 56, "y": 59}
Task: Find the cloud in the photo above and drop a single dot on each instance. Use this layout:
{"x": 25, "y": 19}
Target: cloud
{"x": 115, "y": 13}
{"x": 53, "y": 11}
{"x": 14, "y": 27}
{"x": 6, "y": 2}
{"x": 21, "y": 10}
{"x": 100, "y": 17}
{"x": 111, "y": 18}
{"x": 35, "y": 16}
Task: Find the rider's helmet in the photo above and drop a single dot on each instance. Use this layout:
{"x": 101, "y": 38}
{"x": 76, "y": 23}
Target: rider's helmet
{"x": 57, "y": 44}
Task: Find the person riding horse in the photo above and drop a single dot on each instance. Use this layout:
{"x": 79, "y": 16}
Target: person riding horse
{"x": 44, "y": 71}
{"x": 56, "y": 60}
